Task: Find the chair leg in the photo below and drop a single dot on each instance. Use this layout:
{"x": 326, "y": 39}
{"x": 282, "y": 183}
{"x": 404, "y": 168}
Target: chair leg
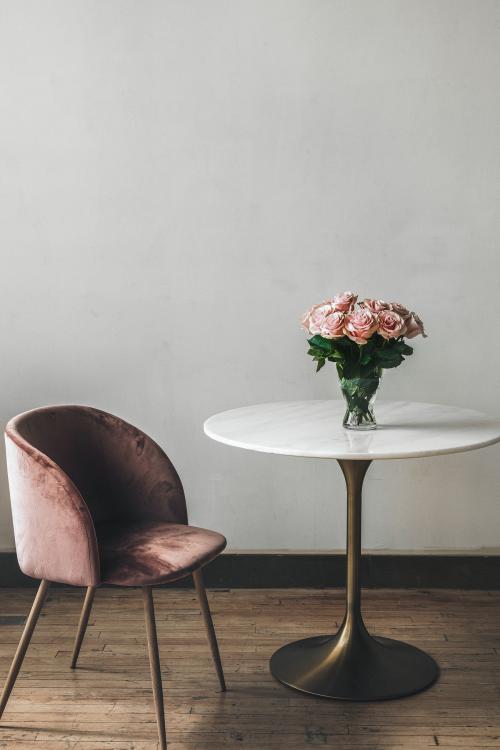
{"x": 24, "y": 643}
{"x": 154, "y": 663}
{"x": 82, "y": 625}
{"x": 209, "y": 625}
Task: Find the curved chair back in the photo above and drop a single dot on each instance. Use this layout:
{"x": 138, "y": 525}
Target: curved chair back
{"x": 72, "y": 467}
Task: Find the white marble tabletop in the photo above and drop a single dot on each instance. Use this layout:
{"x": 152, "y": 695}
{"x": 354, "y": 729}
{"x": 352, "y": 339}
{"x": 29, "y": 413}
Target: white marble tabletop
{"x": 314, "y": 428}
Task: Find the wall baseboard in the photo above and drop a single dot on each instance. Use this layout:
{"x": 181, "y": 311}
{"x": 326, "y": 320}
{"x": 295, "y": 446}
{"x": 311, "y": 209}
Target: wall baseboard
{"x": 287, "y": 570}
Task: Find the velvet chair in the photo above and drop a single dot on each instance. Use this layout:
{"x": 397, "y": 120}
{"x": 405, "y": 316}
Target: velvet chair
{"x": 96, "y": 501}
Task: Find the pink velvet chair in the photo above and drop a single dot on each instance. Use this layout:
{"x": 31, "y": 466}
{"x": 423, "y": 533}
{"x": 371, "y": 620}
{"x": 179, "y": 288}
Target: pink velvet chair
{"x": 96, "y": 501}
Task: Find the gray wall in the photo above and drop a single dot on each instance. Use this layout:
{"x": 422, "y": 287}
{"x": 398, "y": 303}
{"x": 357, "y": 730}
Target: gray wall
{"x": 180, "y": 180}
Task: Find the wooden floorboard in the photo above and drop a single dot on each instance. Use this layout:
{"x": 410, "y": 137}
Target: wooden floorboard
{"x": 106, "y": 704}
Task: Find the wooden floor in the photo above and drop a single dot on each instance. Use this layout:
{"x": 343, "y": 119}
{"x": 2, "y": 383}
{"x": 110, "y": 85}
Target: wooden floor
{"x": 107, "y": 704}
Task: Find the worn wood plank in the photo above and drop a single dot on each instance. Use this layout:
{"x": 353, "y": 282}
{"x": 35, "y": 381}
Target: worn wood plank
{"x": 106, "y": 703}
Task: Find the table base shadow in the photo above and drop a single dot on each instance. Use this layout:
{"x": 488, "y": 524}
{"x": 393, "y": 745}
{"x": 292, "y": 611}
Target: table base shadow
{"x": 359, "y": 668}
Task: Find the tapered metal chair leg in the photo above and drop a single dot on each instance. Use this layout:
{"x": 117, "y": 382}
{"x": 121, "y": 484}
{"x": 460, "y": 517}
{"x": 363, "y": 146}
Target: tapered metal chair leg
{"x": 24, "y": 643}
{"x": 209, "y": 625}
{"x": 82, "y": 625}
{"x": 154, "y": 663}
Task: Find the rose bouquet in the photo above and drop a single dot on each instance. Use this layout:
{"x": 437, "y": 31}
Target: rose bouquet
{"x": 362, "y": 338}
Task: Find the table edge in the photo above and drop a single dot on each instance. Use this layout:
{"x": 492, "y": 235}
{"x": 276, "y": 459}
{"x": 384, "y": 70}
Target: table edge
{"x": 348, "y": 456}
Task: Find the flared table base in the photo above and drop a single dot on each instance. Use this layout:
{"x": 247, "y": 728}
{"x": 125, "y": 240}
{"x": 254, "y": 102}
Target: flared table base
{"x": 353, "y": 665}
{"x": 359, "y": 668}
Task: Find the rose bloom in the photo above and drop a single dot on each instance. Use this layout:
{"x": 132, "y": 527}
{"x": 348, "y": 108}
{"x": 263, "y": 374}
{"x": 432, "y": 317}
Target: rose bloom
{"x": 345, "y": 301}
{"x": 400, "y": 309}
{"x": 414, "y": 327}
{"x": 333, "y": 326}
{"x": 360, "y": 325}
{"x": 375, "y": 305}
{"x": 314, "y": 318}
{"x": 391, "y": 324}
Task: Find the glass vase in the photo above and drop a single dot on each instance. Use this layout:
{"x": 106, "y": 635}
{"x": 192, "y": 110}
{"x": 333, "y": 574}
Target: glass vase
{"x": 359, "y": 394}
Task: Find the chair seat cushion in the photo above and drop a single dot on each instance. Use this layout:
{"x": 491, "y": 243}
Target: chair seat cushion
{"x": 147, "y": 553}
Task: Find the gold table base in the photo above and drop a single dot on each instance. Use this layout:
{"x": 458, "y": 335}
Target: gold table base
{"x": 353, "y": 665}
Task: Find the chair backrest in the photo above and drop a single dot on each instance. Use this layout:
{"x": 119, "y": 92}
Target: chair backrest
{"x": 73, "y": 467}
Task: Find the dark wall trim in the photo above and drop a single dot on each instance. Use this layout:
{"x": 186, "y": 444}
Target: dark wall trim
{"x": 322, "y": 571}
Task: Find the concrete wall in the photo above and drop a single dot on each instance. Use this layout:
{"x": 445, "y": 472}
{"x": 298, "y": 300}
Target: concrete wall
{"x": 180, "y": 180}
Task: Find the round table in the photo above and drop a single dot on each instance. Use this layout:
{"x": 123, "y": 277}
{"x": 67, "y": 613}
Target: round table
{"x": 352, "y": 664}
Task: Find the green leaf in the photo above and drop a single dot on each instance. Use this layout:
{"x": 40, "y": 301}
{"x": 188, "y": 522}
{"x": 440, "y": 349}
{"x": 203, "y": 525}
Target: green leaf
{"x": 399, "y": 346}
{"x": 390, "y": 365}
{"x": 385, "y": 355}
{"x": 321, "y": 363}
{"x": 315, "y": 352}
{"x": 345, "y": 342}
{"x": 319, "y": 342}
{"x": 371, "y": 344}
{"x": 394, "y": 362}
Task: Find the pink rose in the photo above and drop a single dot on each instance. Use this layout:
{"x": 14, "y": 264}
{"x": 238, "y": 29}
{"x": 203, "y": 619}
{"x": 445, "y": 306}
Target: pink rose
{"x": 400, "y": 309}
{"x": 345, "y": 301}
{"x": 333, "y": 326}
{"x": 391, "y": 324}
{"x": 414, "y": 327}
{"x": 360, "y": 325}
{"x": 375, "y": 305}
{"x": 314, "y": 318}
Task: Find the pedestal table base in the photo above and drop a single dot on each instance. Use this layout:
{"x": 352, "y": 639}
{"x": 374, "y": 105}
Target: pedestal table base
{"x": 376, "y": 669}
{"x": 353, "y": 665}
